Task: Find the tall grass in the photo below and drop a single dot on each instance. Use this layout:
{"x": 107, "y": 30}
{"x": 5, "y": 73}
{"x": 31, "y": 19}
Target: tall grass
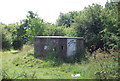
{"x": 23, "y": 65}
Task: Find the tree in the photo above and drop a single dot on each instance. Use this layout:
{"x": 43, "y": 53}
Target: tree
{"x": 6, "y": 38}
{"x": 66, "y": 19}
{"x": 111, "y": 31}
{"x": 35, "y": 26}
{"x": 29, "y": 28}
{"x": 88, "y": 24}
{"x": 53, "y": 30}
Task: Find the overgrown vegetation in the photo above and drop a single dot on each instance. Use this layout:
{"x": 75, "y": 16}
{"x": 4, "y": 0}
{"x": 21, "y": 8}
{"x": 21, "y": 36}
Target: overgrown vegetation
{"x": 100, "y": 28}
{"x": 23, "y": 65}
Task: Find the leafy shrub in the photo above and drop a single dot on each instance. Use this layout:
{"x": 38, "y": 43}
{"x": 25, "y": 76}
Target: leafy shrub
{"x": 6, "y": 44}
{"x": 17, "y": 44}
{"x": 70, "y": 32}
{"x": 109, "y": 70}
{"x": 52, "y": 30}
{"x": 6, "y": 39}
{"x": 54, "y": 58}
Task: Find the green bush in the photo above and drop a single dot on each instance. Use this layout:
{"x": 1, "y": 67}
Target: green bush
{"x": 70, "y": 32}
{"x": 109, "y": 70}
{"x": 6, "y": 39}
{"x": 53, "y": 58}
{"x": 17, "y": 44}
{"x": 52, "y": 30}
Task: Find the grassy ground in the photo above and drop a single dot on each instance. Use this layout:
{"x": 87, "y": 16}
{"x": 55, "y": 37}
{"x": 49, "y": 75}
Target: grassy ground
{"x": 22, "y": 65}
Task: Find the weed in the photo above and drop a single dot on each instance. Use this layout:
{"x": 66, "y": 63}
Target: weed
{"x": 54, "y": 58}
{"x": 108, "y": 69}
{"x": 18, "y": 66}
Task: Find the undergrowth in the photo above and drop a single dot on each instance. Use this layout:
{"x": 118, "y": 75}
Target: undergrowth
{"x": 23, "y": 65}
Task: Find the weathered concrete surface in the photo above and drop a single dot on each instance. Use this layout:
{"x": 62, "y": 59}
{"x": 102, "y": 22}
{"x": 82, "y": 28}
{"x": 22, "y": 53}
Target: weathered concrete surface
{"x": 64, "y": 46}
{"x": 71, "y": 47}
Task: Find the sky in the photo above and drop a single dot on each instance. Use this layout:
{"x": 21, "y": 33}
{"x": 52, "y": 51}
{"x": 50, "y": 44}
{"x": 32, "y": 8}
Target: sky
{"x": 12, "y": 11}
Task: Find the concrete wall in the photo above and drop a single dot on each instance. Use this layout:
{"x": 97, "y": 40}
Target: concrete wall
{"x": 64, "y": 46}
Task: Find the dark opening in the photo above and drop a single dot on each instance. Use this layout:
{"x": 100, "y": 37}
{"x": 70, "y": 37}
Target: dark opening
{"x": 62, "y": 47}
